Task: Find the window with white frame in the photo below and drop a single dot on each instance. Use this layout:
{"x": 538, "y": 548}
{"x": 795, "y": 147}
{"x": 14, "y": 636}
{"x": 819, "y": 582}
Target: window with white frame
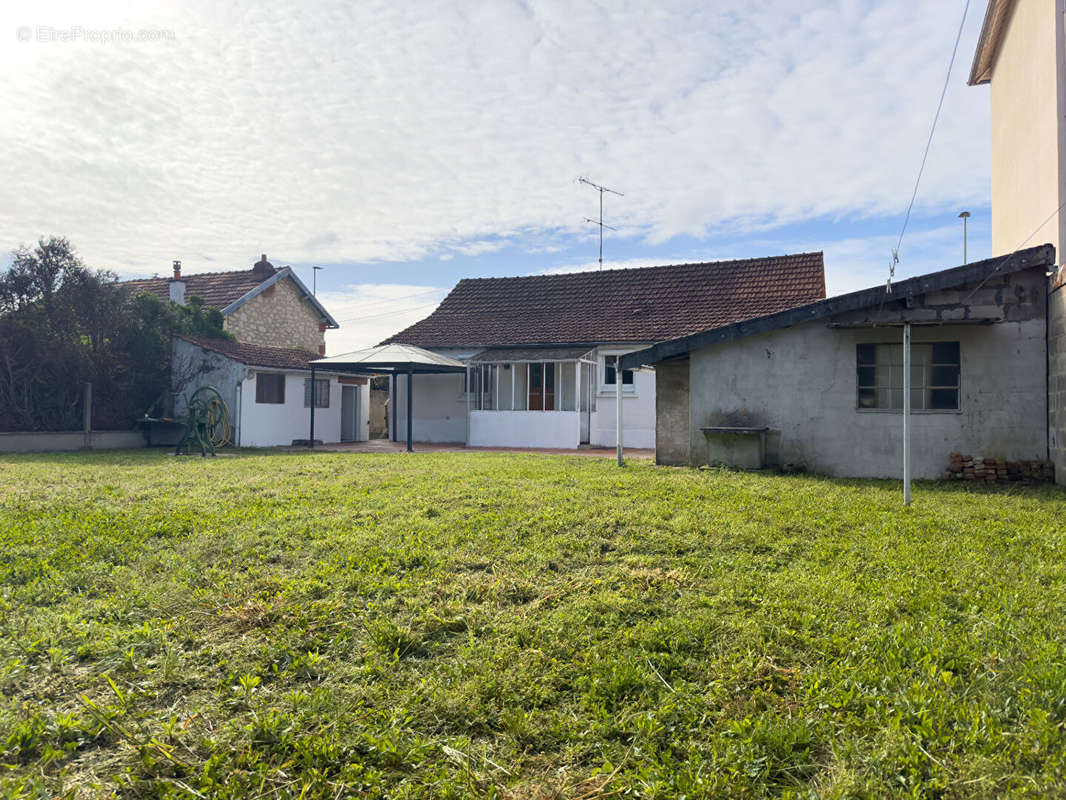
{"x": 935, "y": 373}
{"x": 321, "y": 392}
{"x": 525, "y": 386}
{"x": 610, "y": 372}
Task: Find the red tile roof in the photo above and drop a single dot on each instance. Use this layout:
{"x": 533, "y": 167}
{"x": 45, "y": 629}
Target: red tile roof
{"x": 217, "y": 289}
{"x": 648, "y": 304}
{"x": 256, "y": 356}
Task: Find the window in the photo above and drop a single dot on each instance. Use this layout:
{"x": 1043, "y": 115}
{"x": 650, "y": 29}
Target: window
{"x": 483, "y": 387}
{"x": 610, "y": 371}
{"x": 269, "y": 388}
{"x": 542, "y": 386}
{"x": 934, "y": 376}
{"x": 321, "y": 392}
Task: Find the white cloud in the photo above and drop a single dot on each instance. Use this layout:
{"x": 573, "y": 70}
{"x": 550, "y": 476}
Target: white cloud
{"x": 477, "y": 248}
{"x": 370, "y": 312}
{"x": 376, "y": 130}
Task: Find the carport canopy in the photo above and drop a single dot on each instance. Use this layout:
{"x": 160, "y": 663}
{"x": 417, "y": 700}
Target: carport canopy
{"x": 387, "y": 359}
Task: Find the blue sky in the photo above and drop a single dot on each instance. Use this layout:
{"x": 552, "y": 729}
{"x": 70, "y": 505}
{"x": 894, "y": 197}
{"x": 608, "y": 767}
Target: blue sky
{"x": 406, "y": 146}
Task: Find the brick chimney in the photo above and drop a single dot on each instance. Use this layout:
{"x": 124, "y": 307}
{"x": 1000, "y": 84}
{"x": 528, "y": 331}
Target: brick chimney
{"x": 177, "y": 285}
{"x": 263, "y": 268}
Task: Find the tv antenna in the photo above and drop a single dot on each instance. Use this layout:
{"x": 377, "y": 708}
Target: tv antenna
{"x": 599, "y": 222}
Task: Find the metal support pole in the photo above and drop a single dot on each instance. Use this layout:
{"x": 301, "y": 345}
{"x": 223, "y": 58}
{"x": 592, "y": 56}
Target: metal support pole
{"x": 906, "y": 414}
{"x": 87, "y": 414}
{"x": 311, "y": 440}
{"x": 618, "y": 411}
{"x": 410, "y": 375}
{"x": 601, "y": 228}
{"x": 965, "y": 255}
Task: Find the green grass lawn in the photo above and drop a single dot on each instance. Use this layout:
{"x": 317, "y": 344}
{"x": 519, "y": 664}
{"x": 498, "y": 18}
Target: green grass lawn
{"x": 522, "y": 626}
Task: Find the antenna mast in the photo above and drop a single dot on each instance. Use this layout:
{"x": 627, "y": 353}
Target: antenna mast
{"x": 599, "y": 222}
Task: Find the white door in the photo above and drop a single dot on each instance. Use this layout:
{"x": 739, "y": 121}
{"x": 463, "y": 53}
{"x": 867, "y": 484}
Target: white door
{"x": 349, "y": 413}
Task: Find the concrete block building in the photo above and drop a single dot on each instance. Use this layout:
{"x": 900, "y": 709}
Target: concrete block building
{"x": 820, "y": 386}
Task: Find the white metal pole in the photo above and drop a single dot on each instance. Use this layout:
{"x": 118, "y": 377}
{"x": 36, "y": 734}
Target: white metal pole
{"x": 906, "y": 413}
{"x": 577, "y": 387}
{"x": 618, "y": 411}
{"x": 514, "y": 399}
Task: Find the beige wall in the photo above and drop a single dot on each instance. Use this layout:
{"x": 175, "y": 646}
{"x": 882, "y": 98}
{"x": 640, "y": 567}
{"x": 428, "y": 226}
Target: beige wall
{"x": 278, "y": 317}
{"x": 1028, "y": 130}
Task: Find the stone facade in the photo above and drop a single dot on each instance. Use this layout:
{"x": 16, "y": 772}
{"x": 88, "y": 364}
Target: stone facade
{"x": 280, "y": 316}
{"x": 1057, "y": 375}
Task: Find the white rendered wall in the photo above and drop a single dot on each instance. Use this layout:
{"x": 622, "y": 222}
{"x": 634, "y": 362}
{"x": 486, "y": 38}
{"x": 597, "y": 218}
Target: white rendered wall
{"x": 438, "y": 409}
{"x": 561, "y": 429}
{"x": 638, "y": 407}
{"x": 273, "y": 424}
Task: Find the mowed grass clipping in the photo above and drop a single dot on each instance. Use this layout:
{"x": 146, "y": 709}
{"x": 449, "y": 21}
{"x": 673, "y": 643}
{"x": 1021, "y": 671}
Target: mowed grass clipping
{"x": 522, "y": 626}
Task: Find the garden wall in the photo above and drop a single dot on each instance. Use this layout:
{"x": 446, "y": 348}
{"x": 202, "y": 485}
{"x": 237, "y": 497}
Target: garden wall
{"x": 44, "y": 442}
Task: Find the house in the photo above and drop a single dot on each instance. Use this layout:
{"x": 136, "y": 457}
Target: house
{"x": 1021, "y": 54}
{"x": 265, "y": 305}
{"x": 542, "y": 350}
{"x": 820, "y": 386}
{"x": 268, "y": 391}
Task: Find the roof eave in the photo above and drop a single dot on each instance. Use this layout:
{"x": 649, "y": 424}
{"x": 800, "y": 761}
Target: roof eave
{"x": 997, "y": 15}
{"x": 1040, "y": 256}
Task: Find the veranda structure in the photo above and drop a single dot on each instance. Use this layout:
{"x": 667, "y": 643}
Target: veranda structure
{"x": 530, "y": 397}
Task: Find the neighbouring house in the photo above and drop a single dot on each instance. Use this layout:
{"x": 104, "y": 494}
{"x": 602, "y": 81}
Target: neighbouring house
{"x": 820, "y": 386}
{"x": 269, "y": 392}
{"x": 541, "y": 351}
{"x": 265, "y": 305}
{"x": 1021, "y": 54}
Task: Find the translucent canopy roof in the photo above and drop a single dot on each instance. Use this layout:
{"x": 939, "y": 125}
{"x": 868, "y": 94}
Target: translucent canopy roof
{"x": 390, "y": 358}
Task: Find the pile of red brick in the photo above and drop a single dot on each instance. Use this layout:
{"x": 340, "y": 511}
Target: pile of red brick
{"x": 997, "y": 470}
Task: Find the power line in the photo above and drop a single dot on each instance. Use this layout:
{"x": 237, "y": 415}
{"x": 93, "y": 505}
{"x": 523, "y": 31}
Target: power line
{"x": 390, "y": 313}
{"x": 1011, "y": 254}
{"x": 928, "y": 144}
{"x": 390, "y": 301}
